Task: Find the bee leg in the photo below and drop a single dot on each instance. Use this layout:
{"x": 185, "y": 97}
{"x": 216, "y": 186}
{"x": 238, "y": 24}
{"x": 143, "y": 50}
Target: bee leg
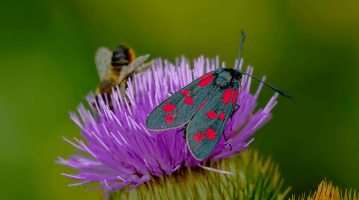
{"x": 230, "y": 146}
{"x": 237, "y": 106}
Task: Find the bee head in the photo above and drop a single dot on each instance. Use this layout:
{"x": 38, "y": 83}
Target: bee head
{"x": 122, "y": 55}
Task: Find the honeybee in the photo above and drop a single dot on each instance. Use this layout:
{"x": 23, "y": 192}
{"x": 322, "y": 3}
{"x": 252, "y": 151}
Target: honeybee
{"x": 114, "y": 68}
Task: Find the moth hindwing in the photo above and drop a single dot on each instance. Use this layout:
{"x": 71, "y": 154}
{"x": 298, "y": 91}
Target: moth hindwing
{"x": 206, "y": 127}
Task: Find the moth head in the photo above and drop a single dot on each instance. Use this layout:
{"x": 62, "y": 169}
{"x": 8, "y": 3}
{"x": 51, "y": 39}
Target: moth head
{"x": 224, "y": 79}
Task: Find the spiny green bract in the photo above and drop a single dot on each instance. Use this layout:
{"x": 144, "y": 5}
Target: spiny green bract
{"x": 251, "y": 179}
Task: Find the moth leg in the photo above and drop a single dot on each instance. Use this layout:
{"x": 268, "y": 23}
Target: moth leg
{"x": 237, "y": 106}
{"x": 169, "y": 91}
{"x": 230, "y": 146}
{"x": 184, "y": 132}
{"x": 180, "y": 130}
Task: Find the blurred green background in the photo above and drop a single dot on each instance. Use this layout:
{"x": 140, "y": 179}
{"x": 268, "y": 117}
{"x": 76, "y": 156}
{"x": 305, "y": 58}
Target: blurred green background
{"x": 308, "y": 49}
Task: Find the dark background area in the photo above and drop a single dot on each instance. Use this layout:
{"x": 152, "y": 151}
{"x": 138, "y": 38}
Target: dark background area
{"x": 308, "y": 49}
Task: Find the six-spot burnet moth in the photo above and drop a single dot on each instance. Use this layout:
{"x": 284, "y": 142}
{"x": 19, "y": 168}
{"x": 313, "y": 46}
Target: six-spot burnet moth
{"x": 205, "y": 105}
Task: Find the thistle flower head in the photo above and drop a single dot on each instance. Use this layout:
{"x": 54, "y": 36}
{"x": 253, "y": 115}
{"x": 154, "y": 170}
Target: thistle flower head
{"x": 118, "y": 150}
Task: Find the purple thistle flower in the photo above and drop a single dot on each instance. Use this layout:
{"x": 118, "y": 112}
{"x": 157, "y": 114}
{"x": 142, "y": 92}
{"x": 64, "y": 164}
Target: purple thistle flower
{"x": 121, "y": 150}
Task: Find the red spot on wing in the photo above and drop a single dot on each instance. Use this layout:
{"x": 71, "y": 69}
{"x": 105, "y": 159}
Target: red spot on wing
{"x": 168, "y": 107}
{"x": 201, "y": 105}
{"x": 222, "y": 116}
{"x": 227, "y": 95}
{"x": 204, "y": 76}
{"x": 210, "y": 134}
{"x": 188, "y": 100}
{"x": 169, "y": 119}
{"x": 235, "y": 95}
{"x": 184, "y": 92}
{"x": 211, "y": 114}
{"x": 198, "y": 137}
{"x": 205, "y": 81}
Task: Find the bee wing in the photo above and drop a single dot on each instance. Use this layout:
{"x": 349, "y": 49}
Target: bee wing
{"x": 206, "y": 127}
{"x": 126, "y": 70}
{"x": 143, "y": 68}
{"x": 179, "y": 109}
{"x": 103, "y": 61}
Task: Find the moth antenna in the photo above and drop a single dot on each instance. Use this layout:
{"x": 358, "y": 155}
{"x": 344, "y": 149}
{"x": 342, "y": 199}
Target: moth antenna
{"x": 275, "y": 89}
{"x": 240, "y": 48}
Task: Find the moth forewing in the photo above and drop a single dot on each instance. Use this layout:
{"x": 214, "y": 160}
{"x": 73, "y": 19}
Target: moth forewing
{"x": 178, "y": 109}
